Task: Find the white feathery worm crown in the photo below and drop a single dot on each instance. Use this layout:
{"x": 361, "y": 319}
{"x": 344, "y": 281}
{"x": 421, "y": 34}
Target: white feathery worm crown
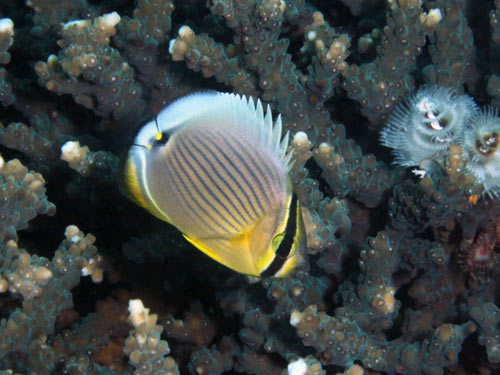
{"x": 424, "y": 125}
{"x": 480, "y": 143}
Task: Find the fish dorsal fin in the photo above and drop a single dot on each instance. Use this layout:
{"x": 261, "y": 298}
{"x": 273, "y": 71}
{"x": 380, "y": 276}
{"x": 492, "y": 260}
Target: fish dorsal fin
{"x": 217, "y": 108}
{"x": 269, "y": 133}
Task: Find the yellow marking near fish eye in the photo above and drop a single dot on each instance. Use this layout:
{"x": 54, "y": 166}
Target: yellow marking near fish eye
{"x": 159, "y": 136}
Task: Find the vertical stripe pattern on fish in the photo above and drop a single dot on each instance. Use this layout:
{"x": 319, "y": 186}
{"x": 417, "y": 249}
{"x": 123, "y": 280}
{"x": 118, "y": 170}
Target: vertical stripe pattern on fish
{"x": 214, "y": 165}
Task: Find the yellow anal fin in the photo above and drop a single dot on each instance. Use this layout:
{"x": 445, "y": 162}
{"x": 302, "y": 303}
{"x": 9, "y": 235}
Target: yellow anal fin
{"x": 234, "y": 255}
{"x": 260, "y": 242}
{"x": 204, "y": 249}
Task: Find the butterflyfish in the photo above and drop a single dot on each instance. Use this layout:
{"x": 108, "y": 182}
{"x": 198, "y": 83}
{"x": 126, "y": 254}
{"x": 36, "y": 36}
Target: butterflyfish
{"x": 215, "y": 166}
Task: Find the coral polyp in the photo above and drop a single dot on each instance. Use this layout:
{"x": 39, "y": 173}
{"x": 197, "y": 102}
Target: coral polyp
{"x": 425, "y": 124}
{"x": 481, "y": 143}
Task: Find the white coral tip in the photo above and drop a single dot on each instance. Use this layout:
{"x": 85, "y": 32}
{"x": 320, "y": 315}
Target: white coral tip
{"x": 135, "y": 307}
{"x": 111, "y": 19}
{"x": 311, "y": 35}
{"x": 6, "y": 26}
{"x": 300, "y": 138}
{"x": 80, "y": 24}
{"x": 171, "y": 46}
{"x": 186, "y": 33}
{"x": 295, "y": 318}
{"x": 434, "y": 16}
{"x": 69, "y": 146}
{"x": 298, "y": 367}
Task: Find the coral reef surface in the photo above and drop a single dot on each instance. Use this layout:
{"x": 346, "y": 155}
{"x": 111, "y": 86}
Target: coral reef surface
{"x": 402, "y": 256}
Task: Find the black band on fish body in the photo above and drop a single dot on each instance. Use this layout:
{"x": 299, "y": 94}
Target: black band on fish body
{"x": 285, "y": 247}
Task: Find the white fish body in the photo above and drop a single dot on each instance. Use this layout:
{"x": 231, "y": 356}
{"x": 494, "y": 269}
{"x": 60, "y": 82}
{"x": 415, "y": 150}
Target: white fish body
{"x": 222, "y": 179}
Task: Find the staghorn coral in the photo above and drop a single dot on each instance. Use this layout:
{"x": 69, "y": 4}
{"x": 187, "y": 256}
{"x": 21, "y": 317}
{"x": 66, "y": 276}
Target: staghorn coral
{"x": 304, "y": 366}
{"x": 215, "y": 360}
{"x": 452, "y": 51}
{"x": 23, "y": 197}
{"x": 26, "y": 329}
{"x": 86, "y": 162}
{"x": 437, "y": 198}
{"x": 98, "y": 77}
{"x": 402, "y": 268}
{"x": 378, "y": 85}
{"x": 51, "y": 14}
{"x": 147, "y": 352}
{"x": 487, "y": 317}
{"x": 340, "y": 341}
{"x": 6, "y": 39}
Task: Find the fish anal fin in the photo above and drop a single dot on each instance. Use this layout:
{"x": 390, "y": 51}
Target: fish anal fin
{"x": 255, "y": 244}
{"x": 249, "y": 252}
{"x": 204, "y": 249}
{"x": 232, "y": 252}
{"x": 241, "y": 241}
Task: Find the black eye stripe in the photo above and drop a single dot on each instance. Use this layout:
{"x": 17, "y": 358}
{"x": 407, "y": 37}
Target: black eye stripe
{"x": 285, "y": 247}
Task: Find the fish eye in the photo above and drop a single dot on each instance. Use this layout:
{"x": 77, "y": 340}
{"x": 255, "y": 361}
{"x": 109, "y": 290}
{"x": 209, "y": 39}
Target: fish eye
{"x": 160, "y": 139}
{"x": 277, "y": 240}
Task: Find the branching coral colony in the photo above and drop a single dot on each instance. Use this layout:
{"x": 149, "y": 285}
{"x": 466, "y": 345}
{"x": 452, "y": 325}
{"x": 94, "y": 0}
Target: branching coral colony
{"x": 403, "y": 267}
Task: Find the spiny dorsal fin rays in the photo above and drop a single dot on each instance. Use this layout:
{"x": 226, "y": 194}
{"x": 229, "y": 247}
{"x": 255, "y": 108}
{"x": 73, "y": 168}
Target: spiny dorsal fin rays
{"x": 183, "y": 113}
{"x": 270, "y": 133}
{"x": 281, "y": 143}
{"x": 287, "y": 157}
{"x": 288, "y": 160}
{"x": 284, "y": 143}
{"x": 269, "y": 117}
{"x": 264, "y": 132}
{"x": 277, "y": 132}
{"x": 259, "y": 110}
